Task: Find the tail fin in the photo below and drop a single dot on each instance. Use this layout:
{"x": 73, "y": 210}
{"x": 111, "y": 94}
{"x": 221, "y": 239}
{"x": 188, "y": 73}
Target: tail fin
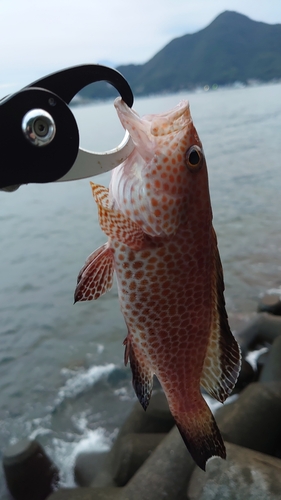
{"x": 201, "y": 434}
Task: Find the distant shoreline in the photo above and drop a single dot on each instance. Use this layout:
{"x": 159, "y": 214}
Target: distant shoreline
{"x": 79, "y": 100}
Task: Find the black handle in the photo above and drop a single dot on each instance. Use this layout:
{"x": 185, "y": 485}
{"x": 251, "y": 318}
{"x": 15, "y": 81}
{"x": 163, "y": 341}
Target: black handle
{"x": 24, "y": 156}
{"x": 68, "y": 82}
{"x": 22, "y": 161}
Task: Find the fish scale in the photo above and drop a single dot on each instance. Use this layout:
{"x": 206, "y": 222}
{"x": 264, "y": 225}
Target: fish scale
{"x": 162, "y": 246}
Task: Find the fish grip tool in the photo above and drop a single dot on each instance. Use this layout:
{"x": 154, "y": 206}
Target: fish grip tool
{"x": 39, "y": 134}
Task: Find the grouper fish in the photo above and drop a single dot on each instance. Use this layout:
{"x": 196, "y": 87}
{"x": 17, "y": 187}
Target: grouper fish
{"x": 162, "y": 246}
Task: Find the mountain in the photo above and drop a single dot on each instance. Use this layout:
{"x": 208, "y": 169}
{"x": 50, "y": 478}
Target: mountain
{"x": 232, "y": 48}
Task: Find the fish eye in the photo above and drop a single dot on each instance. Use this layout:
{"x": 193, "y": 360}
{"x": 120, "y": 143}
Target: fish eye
{"x": 194, "y": 158}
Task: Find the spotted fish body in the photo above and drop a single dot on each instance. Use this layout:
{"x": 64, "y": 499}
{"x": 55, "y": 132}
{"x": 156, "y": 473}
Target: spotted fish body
{"x": 161, "y": 244}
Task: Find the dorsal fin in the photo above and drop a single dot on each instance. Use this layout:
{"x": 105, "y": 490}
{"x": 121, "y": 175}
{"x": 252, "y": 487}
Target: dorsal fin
{"x": 222, "y": 361}
{"x": 114, "y": 223}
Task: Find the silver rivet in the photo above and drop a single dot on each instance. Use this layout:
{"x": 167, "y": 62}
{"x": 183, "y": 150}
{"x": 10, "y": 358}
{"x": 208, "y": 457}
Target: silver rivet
{"x": 38, "y": 127}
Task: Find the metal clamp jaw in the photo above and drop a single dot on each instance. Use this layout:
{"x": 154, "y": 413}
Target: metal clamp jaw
{"x": 39, "y": 134}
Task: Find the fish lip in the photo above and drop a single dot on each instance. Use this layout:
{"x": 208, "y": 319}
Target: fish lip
{"x": 138, "y": 128}
{"x": 171, "y": 121}
{"x": 145, "y": 130}
{"x": 123, "y": 108}
{"x": 173, "y": 114}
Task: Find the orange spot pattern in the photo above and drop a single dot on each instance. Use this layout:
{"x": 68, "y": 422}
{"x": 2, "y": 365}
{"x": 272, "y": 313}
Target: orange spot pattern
{"x": 163, "y": 246}
{"x": 170, "y": 308}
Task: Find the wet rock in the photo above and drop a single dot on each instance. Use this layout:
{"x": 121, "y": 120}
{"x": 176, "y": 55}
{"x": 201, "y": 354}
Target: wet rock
{"x": 263, "y": 329}
{"x": 261, "y": 360}
{"x": 156, "y": 419}
{"x": 272, "y": 367}
{"x": 29, "y": 473}
{"x": 270, "y": 303}
{"x": 165, "y": 474}
{"x": 88, "y": 494}
{"x": 244, "y": 475}
{"x": 253, "y": 420}
{"x": 133, "y": 450}
{"x": 246, "y": 376}
{"x": 87, "y": 466}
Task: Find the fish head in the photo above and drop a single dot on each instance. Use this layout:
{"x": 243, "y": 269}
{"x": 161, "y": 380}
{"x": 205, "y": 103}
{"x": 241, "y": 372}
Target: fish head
{"x": 165, "y": 177}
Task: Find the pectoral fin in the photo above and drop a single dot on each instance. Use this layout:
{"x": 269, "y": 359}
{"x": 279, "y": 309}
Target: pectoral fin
{"x": 96, "y": 276}
{"x": 114, "y": 223}
{"x": 223, "y": 361}
{"x": 142, "y": 375}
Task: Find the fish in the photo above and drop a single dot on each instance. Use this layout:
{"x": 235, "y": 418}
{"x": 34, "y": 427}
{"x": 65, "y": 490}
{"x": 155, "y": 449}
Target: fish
{"x": 162, "y": 247}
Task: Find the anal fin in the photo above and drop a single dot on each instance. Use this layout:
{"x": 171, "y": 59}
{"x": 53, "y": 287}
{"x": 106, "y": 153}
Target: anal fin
{"x": 142, "y": 376}
{"x": 96, "y": 276}
{"x": 114, "y": 223}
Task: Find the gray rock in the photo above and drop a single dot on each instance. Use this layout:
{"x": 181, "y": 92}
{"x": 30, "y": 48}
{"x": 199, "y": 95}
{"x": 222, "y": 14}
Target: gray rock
{"x": 165, "y": 474}
{"x": 264, "y": 328}
{"x": 87, "y": 466}
{"x": 272, "y": 367}
{"x": 270, "y": 303}
{"x": 29, "y": 472}
{"x": 261, "y": 360}
{"x": 133, "y": 450}
{"x": 156, "y": 419}
{"x": 87, "y": 494}
{"x": 246, "y": 376}
{"x": 244, "y": 475}
{"x": 253, "y": 420}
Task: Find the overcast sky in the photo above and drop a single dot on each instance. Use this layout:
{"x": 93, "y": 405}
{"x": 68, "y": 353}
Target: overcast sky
{"x": 41, "y": 36}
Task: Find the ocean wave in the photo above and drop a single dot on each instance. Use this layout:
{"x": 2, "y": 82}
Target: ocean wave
{"x": 81, "y": 380}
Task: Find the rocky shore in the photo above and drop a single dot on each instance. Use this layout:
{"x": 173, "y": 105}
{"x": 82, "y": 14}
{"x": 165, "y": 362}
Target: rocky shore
{"x": 149, "y": 461}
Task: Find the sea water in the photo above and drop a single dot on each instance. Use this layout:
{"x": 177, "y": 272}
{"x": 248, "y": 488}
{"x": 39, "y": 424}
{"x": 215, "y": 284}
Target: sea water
{"x": 62, "y": 379}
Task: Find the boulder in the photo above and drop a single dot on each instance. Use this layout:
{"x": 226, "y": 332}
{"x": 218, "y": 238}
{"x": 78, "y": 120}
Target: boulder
{"x": 261, "y": 360}
{"x": 270, "y": 303}
{"x": 132, "y": 452}
{"x": 246, "y": 376}
{"x": 88, "y": 494}
{"x": 87, "y": 465}
{"x": 253, "y": 420}
{"x": 264, "y": 328}
{"x": 165, "y": 474}
{"x": 156, "y": 419}
{"x": 271, "y": 370}
{"x": 29, "y": 472}
{"x": 244, "y": 475}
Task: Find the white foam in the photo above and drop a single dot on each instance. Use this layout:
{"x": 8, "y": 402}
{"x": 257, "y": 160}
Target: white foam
{"x": 65, "y": 452}
{"x": 81, "y": 380}
{"x": 272, "y": 291}
{"x": 252, "y": 356}
{"x": 122, "y": 394}
{"x": 100, "y": 348}
{"x": 94, "y": 440}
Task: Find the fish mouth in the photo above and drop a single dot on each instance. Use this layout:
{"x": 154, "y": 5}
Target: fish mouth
{"x": 145, "y": 131}
{"x": 174, "y": 120}
{"x": 138, "y": 128}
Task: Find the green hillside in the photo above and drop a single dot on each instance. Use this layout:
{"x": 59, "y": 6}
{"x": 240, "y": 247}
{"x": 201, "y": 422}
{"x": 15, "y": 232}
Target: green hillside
{"x": 232, "y": 48}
